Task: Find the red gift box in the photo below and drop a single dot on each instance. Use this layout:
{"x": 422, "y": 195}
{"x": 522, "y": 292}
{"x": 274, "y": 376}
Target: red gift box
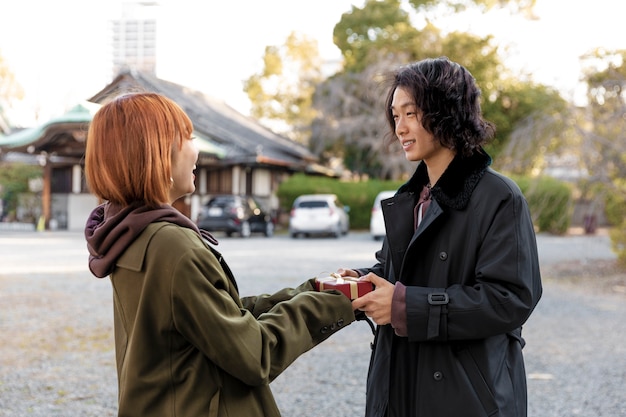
{"x": 350, "y": 286}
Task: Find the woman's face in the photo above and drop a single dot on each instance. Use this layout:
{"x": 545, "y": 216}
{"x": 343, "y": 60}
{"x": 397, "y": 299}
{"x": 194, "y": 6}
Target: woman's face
{"x": 418, "y": 144}
{"x": 183, "y": 165}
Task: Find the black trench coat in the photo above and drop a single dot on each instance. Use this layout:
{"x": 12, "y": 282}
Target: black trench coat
{"x": 472, "y": 276}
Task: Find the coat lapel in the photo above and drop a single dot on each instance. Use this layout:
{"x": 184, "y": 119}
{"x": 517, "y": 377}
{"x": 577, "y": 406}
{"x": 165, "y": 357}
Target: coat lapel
{"x": 452, "y": 191}
{"x": 398, "y": 215}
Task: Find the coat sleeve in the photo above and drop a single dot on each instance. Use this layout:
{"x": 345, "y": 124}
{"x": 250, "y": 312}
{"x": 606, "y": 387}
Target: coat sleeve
{"x": 259, "y": 304}
{"x": 506, "y": 285}
{"x": 255, "y": 350}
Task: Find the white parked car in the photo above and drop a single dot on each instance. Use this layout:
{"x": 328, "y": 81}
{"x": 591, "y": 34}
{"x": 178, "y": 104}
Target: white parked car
{"x": 318, "y": 214}
{"x": 377, "y": 222}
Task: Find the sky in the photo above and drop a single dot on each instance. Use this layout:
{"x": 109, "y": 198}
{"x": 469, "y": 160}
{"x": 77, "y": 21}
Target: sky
{"x": 59, "y": 51}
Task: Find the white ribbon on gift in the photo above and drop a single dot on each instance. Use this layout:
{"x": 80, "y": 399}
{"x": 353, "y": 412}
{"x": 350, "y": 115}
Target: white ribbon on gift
{"x": 338, "y": 279}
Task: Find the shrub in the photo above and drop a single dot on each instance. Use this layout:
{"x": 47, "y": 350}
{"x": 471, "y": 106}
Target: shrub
{"x": 550, "y": 202}
{"x": 615, "y": 209}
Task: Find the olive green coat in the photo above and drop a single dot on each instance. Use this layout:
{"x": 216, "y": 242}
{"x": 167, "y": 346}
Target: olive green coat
{"x": 187, "y": 345}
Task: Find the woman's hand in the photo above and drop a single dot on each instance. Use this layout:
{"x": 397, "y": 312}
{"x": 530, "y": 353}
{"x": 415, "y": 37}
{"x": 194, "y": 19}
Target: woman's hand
{"x": 347, "y": 272}
{"x": 376, "y": 304}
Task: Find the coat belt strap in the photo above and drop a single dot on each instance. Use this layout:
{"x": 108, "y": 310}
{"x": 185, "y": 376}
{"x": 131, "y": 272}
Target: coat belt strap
{"x": 438, "y": 302}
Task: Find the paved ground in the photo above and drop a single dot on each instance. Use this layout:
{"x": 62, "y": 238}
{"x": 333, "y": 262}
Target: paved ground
{"x": 56, "y": 347}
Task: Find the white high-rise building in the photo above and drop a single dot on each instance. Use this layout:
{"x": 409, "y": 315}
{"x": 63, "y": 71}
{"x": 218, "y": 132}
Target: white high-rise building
{"x": 135, "y": 36}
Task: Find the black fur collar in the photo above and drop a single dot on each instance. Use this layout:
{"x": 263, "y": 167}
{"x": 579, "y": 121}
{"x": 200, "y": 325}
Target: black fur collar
{"x": 456, "y": 184}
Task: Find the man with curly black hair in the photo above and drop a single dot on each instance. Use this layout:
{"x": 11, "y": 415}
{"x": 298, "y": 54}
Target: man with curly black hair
{"x": 458, "y": 273}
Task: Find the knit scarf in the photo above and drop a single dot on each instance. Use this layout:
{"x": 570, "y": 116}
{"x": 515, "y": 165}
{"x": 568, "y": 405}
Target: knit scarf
{"x": 111, "y": 228}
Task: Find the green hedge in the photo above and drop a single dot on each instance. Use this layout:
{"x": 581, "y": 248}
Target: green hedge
{"x": 549, "y": 200}
{"x": 359, "y": 196}
{"x": 615, "y": 209}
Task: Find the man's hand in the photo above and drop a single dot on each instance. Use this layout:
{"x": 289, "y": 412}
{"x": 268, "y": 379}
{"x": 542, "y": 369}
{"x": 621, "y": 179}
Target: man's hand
{"x": 376, "y": 304}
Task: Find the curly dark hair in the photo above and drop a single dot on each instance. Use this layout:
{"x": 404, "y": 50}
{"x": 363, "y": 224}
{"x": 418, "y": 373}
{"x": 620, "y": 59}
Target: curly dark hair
{"x": 449, "y": 99}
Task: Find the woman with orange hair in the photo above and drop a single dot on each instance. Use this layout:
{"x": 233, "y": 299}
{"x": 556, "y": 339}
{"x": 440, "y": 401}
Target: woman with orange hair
{"x": 186, "y": 343}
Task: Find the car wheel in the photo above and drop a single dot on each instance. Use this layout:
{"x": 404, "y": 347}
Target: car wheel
{"x": 245, "y": 229}
{"x": 337, "y": 232}
{"x": 269, "y": 229}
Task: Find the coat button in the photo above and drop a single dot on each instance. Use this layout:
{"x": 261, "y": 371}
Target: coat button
{"x": 443, "y": 256}
{"x": 438, "y": 376}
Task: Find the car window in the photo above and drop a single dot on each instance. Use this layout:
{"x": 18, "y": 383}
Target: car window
{"x": 312, "y": 204}
{"x": 222, "y": 202}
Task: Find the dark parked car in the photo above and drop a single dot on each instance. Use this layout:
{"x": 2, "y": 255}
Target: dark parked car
{"x": 235, "y": 214}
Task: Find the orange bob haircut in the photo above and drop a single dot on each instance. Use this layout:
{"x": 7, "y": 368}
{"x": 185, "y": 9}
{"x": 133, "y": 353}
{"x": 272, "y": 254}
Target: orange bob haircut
{"x": 129, "y": 148}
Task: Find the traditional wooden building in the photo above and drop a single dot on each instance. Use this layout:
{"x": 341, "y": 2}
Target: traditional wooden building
{"x": 237, "y": 154}
{"x": 58, "y": 146}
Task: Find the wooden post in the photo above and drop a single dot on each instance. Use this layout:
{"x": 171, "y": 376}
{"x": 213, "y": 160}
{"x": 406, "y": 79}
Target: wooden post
{"x": 46, "y": 195}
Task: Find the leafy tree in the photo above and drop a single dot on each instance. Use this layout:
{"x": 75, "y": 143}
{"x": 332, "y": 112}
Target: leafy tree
{"x": 377, "y": 38}
{"x": 386, "y": 25}
{"x": 281, "y": 92}
{"x": 379, "y": 26}
{"x": 10, "y": 90}
{"x": 14, "y": 179}
{"x": 604, "y": 150}
{"x": 590, "y": 138}
{"x": 344, "y": 112}
{"x": 530, "y": 120}
{"x": 351, "y": 126}
{"x": 515, "y": 6}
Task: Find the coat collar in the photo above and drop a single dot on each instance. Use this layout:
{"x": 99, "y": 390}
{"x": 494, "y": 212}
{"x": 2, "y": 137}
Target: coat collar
{"x": 456, "y": 184}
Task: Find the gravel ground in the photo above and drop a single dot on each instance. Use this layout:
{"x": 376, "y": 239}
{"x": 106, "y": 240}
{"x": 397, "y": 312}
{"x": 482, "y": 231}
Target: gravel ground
{"x": 56, "y": 345}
